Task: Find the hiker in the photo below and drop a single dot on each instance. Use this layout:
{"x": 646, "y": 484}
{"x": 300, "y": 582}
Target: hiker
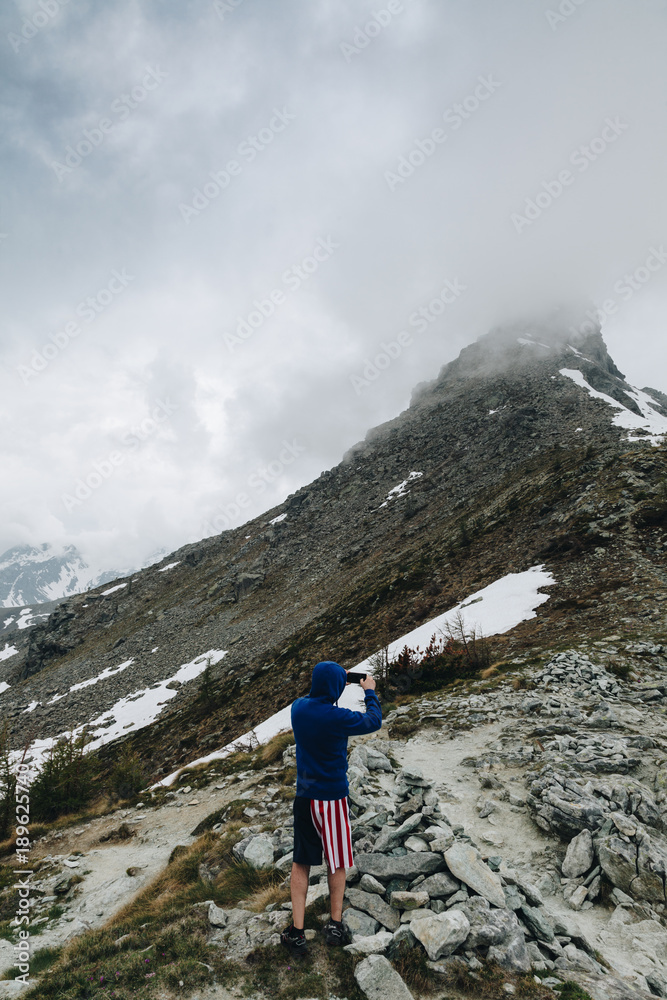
{"x": 321, "y": 810}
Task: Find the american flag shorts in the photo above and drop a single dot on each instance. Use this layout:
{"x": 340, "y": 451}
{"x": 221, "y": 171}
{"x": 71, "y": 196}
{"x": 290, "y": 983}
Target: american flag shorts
{"x": 331, "y": 819}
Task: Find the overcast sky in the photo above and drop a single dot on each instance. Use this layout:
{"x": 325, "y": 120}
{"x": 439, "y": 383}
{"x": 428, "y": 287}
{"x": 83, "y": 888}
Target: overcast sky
{"x": 172, "y": 170}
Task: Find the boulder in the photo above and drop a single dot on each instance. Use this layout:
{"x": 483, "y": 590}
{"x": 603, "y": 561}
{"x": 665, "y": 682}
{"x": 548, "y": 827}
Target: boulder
{"x": 216, "y": 916}
{"x": 259, "y": 852}
{"x": 386, "y": 867}
{"x": 511, "y": 954}
{"x": 370, "y": 884}
{"x": 360, "y": 924}
{"x": 441, "y": 933}
{"x": 580, "y": 855}
{"x": 537, "y": 922}
{"x": 371, "y": 903}
{"x": 466, "y": 864}
{"x": 409, "y": 900}
{"x": 379, "y": 980}
{"x": 370, "y": 945}
{"x": 487, "y": 926}
{"x": 391, "y": 836}
{"x": 439, "y": 886}
{"x": 416, "y": 844}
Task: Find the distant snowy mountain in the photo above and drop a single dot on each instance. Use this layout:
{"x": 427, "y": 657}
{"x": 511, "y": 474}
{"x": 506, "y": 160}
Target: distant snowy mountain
{"x": 33, "y": 575}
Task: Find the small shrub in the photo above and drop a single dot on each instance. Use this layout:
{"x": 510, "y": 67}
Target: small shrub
{"x": 127, "y": 777}
{"x": 571, "y": 991}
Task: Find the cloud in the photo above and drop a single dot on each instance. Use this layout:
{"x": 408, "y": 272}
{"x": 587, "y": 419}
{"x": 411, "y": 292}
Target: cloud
{"x": 478, "y": 110}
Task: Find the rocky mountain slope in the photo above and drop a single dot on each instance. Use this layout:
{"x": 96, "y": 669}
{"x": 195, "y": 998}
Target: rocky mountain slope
{"x": 508, "y": 459}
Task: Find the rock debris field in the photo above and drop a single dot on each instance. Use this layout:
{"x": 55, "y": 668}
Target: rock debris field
{"x": 518, "y": 821}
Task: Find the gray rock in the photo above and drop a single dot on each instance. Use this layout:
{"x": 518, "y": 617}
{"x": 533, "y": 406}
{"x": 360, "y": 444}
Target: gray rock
{"x": 408, "y": 866}
{"x": 377, "y": 978}
{"x": 409, "y": 900}
{"x": 511, "y": 955}
{"x": 377, "y": 761}
{"x": 360, "y": 924}
{"x": 416, "y": 844}
{"x": 373, "y": 945}
{"x": 259, "y": 852}
{"x": 216, "y": 916}
{"x": 440, "y": 886}
{"x": 391, "y": 836}
{"x": 370, "y": 884}
{"x": 466, "y": 864}
{"x": 441, "y": 933}
{"x": 537, "y": 922}
{"x": 376, "y": 907}
{"x": 402, "y": 941}
{"x": 580, "y": 855}
{"x": 487, "y": 926}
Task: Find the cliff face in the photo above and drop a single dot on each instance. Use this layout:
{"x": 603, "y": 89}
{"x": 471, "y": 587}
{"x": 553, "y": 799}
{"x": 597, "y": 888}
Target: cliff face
{"x": 514, "y": 455}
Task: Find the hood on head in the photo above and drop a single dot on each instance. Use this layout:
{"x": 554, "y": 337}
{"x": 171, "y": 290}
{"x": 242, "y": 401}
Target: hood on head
{"x": 329, "y": 680}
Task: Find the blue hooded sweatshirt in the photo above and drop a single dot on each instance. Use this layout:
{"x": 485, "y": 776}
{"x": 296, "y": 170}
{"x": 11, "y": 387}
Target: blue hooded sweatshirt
{"x": 321, "y": 730}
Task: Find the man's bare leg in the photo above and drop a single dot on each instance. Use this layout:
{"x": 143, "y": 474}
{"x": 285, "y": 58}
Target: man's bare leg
{"x": 299, "y": 891}
{"x": 336, "y": 882}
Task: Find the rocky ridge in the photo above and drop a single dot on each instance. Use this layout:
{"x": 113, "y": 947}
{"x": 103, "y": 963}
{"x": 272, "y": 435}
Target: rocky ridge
{"x": 518, "y": 466}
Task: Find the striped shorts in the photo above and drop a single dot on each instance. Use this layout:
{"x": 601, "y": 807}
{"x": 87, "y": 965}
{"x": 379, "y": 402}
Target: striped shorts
{"x": 322, "y": 825}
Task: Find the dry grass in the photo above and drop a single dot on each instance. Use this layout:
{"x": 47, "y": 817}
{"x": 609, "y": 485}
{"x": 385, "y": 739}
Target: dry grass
{"x": 271, "y": 894}
{"x": 272, "y": 752}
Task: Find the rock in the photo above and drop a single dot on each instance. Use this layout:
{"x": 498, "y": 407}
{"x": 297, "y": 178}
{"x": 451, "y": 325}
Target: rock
{"x": 372, "y": 945}
{"x": 359, "y": 924}
{"x": 537, "y": 922}
{"x": 376, "y": 907}
{"x": 487, "y": 926}
{"x": 416, "y": 844}
{"x": 576, "y": 899}
{"x": 391, "y": 836}
{"x": 441, "y": 933}
{"x": 316, "y": 892}
{"x": 370, "y": 884}
{"x": 440, "y": 886}
{"x": 409, "y": 900}
{"x": 636, "y": 868}
{"x": 412, "y": 776}
{"x": 466, "y": 864}
{"x": 402, "y": 941}
{"x": 284, "y": 865}
{"x": 512, "y": 954}
{"x": 580, "y": 855}
{"x": 379, "y": 980}
{"x": 530, "y": 891}
{"x": 441, "y": 844}
{"x": 625, "y": 824}
{"x": 216, "y": 916}
{"x": 409, "y": 866}
{"x": 377, "y": 761}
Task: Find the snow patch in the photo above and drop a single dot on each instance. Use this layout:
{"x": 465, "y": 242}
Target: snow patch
{"x": 498, "y": 608}
{"x": 133, "y": 712}
{"x": 111, "y": 590}
{"x": 107, "y": 672}
{"x": 281, "y": 517}
{"x": 164, "y": 569}
{"x": 7, "y": 651}
{"x": 651, "y": 421}
{"x": 4, "y": 686}
{"x": 401, "y": 490}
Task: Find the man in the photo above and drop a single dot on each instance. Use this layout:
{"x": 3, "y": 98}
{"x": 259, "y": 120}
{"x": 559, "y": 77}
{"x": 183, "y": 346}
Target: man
{"x": 321, "y": 812}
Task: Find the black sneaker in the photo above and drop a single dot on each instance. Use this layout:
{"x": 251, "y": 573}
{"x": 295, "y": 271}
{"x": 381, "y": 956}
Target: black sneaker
{"x": 294, "y": 941}
{"x": 335, "y": 933}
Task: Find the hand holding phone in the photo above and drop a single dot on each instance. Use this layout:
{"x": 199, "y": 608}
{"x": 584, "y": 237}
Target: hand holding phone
{"x": 353, "y": 678}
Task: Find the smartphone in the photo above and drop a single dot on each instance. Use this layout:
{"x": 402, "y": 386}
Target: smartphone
{"x": 356, "y": 678}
